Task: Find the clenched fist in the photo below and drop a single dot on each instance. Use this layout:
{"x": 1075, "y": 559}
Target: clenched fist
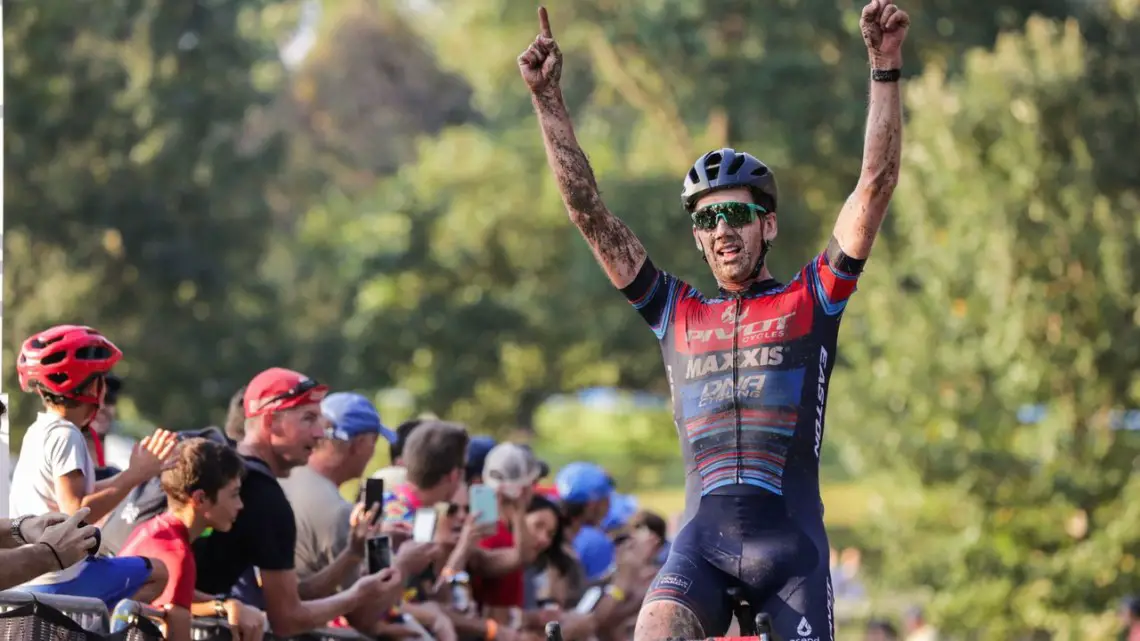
{"x": 884, "y": 28}
{"x": 541, "y": 63}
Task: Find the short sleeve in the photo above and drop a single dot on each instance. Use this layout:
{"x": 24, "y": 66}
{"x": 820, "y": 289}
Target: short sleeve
{"x": 183, "y": 576}
{"x": 831, "y": 287}
{"x": 654, "y": 294}
{"x": 66, "y": 451}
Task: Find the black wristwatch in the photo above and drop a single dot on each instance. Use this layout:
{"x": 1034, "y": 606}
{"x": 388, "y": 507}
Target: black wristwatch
{"x": 886, "y": 75}
{"x": 17, "y": 535}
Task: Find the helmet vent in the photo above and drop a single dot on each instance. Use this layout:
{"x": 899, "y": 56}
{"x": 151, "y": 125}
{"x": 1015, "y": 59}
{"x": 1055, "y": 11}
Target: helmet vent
{"x": 712, "y": 166}
{"x": 762, "y": 170}
{"x": 53, "y": 358}
{"x": 93, "y": 353}
{"x": 737, "y": 163}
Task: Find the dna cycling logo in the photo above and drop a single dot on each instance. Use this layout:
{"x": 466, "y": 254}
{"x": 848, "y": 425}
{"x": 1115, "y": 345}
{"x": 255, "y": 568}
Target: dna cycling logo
{"x": 804, "y": 631}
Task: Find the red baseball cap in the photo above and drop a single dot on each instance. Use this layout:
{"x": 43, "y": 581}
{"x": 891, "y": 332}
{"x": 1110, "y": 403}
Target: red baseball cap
{"x": 278, "y": 389}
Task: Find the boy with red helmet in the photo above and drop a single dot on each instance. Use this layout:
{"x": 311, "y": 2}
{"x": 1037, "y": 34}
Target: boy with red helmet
{"x": 67, "y": 366}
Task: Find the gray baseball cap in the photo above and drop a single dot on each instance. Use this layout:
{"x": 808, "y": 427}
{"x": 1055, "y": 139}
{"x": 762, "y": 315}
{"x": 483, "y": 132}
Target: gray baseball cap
{"x": 509, "y": 468}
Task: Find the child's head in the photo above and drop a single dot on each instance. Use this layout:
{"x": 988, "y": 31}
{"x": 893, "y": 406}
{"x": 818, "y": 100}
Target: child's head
{"x": 67, "y": 366}
{"x": 206, "y": 477}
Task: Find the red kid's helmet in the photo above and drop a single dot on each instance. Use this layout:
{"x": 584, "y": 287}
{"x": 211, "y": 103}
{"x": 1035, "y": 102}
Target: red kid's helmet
{"x": 64, "y": 359}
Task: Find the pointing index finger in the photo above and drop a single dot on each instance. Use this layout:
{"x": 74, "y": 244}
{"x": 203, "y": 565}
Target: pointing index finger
{"x": 544, "y": 23}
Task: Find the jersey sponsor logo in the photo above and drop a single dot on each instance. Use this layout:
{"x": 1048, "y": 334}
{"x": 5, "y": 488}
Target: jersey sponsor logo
{"x": 749, "y": 332}
{"x": 821, "y": 399}
{"x": 703, "y": 365}
{"x": 673, "y": 583}
{"x": 779, "y": 388}
{"x": 804, "y": 631}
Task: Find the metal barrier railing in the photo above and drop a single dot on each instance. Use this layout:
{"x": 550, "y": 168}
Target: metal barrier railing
{"x": 211, "y": 628}
{"x": 90, "y": 614}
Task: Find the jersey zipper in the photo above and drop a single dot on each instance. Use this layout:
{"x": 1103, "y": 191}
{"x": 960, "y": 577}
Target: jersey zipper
{"x": 736, "y": 388}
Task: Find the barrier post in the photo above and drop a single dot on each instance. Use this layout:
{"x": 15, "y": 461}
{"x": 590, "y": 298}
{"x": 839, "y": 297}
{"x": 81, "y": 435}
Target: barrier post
{"x": 5, "y": 441}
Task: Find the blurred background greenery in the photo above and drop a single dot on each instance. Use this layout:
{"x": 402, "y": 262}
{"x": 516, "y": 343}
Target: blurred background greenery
{"x": 357, "y": 189}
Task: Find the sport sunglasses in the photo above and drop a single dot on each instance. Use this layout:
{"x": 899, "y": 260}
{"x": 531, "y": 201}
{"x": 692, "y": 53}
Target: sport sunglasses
{"x": 298, "y": 390}
{"x": 735, "y": 215}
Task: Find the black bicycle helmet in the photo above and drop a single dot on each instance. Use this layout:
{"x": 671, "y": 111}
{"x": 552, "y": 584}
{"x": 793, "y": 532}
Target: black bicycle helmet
{"x": 725, "y": 168}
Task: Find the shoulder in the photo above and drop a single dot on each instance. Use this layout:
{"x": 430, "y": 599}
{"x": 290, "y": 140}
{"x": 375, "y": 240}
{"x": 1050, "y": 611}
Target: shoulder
{"x": 263, "y": 496}
{"x": 56, "y": 429}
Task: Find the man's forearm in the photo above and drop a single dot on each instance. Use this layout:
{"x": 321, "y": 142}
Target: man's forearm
{"x": 25, "y": 563}
{"x": 312, "y": 614}
{"x": 326, "y": 581}
{"x": 882, "y": 150}
{"x": 571, "y": 168}
{"x": 615, "y": 246}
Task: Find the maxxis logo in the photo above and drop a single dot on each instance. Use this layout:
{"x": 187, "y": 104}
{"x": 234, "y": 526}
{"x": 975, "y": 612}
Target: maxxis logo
{"x": 821, "y": 399}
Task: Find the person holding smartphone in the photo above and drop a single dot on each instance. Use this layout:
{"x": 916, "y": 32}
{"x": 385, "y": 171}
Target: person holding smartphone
{"x": 331, "y": 532}
{"x": 283, "y": 426}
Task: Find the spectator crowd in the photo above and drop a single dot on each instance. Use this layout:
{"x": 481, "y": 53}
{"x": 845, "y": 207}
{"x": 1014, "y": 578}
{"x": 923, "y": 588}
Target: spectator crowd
{"x": 250, "y": 525}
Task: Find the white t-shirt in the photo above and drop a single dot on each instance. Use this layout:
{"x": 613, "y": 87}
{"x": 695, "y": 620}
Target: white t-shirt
{"x": 52, "y": 447}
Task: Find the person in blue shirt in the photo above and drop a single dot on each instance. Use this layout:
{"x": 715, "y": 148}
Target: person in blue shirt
{"x": 585, "y": 490}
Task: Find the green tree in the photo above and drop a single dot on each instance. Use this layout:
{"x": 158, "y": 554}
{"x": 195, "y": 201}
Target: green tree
{"x": 131, "y": 205}
{"x": 1009, "y": 280}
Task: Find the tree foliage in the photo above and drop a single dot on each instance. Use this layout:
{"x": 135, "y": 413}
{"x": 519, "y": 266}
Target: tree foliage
{"x": 1010, "y": 280}
{"x": 130, "y": 206}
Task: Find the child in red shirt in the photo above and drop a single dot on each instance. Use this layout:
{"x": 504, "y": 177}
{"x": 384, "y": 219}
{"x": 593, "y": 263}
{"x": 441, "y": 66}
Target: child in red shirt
{"x": 203, "y": 486}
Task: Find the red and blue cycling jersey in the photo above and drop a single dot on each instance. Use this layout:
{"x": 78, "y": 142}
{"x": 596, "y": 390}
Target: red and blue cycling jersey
{"x": 748, "y": 373}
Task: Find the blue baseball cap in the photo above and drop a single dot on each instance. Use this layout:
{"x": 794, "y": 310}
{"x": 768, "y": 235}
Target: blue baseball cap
{"x": 352, "y": 415}
{"x": 622, "y": 509}
{"x": 477, "y": 450}
{"x": 596, "y": 552}
{"x": 582, "y": 482}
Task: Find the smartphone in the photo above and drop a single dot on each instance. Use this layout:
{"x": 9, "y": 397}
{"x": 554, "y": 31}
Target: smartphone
{"x": 374, "y": 495}
{"x": 423, "y": 527}
{"x": 379, "y": 553}
{"x": 589, "y": 600}
{"x": 484, "y": 503}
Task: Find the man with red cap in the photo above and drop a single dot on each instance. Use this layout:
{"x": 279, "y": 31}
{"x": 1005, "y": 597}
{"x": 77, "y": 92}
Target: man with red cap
{"x": 282, "y": 427}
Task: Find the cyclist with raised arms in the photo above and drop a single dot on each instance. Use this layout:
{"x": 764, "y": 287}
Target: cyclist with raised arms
{"x": 749, "y": 367}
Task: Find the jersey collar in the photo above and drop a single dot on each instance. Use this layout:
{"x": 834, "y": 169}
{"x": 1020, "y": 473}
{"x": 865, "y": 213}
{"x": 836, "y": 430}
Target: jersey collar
{"x": 755, "y": 289}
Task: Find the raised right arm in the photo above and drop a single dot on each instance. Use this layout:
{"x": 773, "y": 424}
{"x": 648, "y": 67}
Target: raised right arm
{"x": 615, "y": 246}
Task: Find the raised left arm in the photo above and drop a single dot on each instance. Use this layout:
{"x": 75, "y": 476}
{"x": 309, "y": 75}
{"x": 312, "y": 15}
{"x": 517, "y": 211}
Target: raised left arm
{"x": 884, "y": 28}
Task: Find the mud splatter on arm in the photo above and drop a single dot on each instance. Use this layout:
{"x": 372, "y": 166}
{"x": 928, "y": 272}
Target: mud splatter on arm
{"x": 863, "y": 213}
{"x": 615, "y": 246}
